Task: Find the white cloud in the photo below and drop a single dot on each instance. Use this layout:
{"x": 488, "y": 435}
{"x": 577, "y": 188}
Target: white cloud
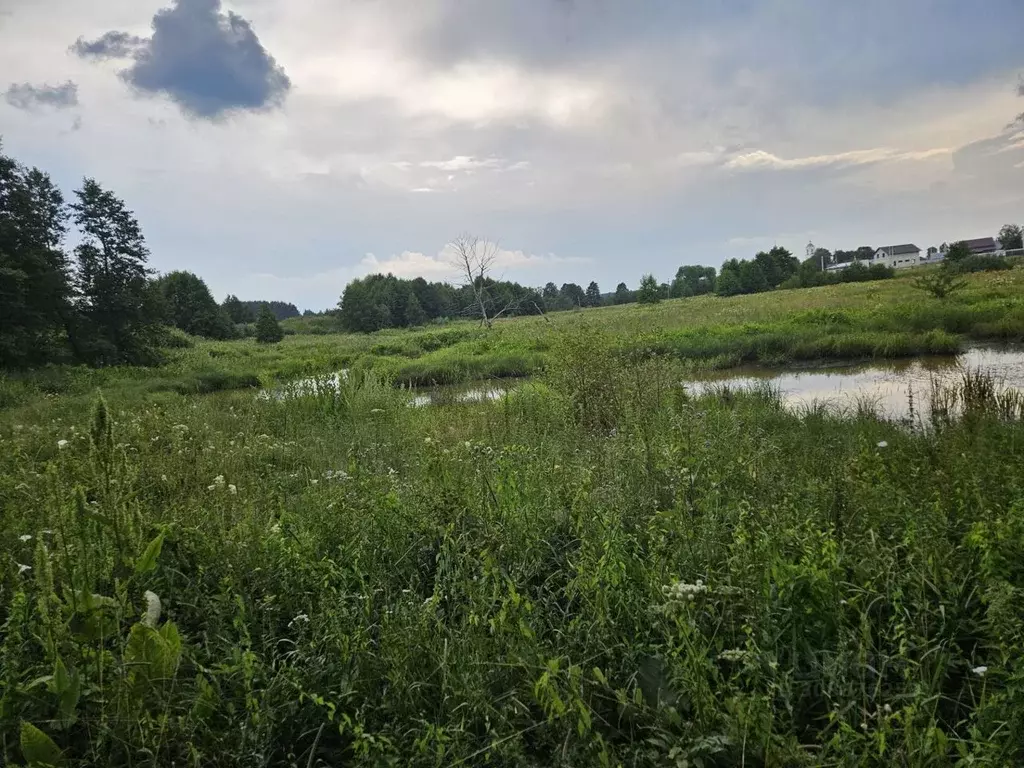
{"x": 759, "y": 159}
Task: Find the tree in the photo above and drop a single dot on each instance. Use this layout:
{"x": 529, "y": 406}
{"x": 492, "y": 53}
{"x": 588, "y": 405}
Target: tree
{"x": 573, "y": 294}
{"x": 728, "y": 283}
{"x": 268, "y": 330}
{"x": 189, "y": 305}
{"x": 752, "y": 277}
{"x": 474, "y": 258}
{"x": 1011, "y": 237}
{"x": 593, "y": 295}
{"x": 550, "y": 291}
{"x": 112, "y": 280}
{"x": 414, "y": 314}
{"x": 238, "y": 311}
{"x": 958, "y": 251}
{"x": 35, "y": 279}
{"x": 940, "y": 283}
{"x": 649, "y": 291}
{"x": 692, "y": 281}
{"x": 622, "y": 294}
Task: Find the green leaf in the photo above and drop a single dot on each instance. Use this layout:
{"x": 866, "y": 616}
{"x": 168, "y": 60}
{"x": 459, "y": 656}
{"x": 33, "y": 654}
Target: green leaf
{"x": 68, "y": 687}
{"x": 147, "y": 561}
{"x": 38, "y": 748}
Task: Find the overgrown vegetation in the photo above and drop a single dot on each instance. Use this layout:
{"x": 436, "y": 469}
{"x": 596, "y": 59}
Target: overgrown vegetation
{"x": 595, "y": 570}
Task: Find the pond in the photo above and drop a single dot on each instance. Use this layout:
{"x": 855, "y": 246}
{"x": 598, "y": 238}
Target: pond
{"x": 886, "y": 385}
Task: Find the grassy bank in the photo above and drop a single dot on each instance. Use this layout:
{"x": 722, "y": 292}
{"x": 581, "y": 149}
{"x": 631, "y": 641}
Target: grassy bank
{"x": 885, "y": 319}
{"x": 596, "y": 570}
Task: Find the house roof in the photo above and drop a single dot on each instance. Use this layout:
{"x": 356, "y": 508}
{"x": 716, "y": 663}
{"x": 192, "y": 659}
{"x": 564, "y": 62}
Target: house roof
{"x": 982, "y": 244}
{"x": 899, "y": 250}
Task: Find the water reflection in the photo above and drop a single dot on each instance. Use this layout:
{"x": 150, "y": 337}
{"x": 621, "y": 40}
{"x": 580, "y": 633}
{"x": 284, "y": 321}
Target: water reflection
{"x": 888, "y": 385}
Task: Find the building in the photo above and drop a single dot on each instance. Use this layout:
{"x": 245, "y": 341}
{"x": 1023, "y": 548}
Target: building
{"x": 980, "y": 245}
{"x": 898, "y": 256}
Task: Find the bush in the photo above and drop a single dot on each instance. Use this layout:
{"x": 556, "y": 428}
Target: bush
{"x": 268, "y": 329}
{"x": 980, "y": 263}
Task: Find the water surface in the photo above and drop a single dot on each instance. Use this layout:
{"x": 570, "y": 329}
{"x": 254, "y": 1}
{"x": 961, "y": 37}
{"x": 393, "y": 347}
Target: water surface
{"x": 887, "y": 385}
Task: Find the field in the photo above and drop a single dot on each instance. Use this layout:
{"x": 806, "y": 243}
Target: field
{"x": 595, "y": 570}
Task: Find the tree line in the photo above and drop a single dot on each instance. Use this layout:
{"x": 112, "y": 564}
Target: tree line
{"x": 98, "y": 303}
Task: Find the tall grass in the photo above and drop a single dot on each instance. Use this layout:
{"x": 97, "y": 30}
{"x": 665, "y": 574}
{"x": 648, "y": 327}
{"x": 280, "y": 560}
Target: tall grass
{"x": 598, "y": 569}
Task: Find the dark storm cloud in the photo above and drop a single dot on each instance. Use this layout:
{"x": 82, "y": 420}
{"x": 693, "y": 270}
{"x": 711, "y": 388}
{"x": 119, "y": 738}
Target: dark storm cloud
{"x": 27, "y": 96}
{"x": 112, "y": 45}
{"x": 207, "y": 61}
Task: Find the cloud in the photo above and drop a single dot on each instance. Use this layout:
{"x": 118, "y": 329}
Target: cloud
{"x": 29, "y": 97}
{"x": 760, "y": 160}
{"x": 110, "y": 45}
{"x": 208, "y": 62}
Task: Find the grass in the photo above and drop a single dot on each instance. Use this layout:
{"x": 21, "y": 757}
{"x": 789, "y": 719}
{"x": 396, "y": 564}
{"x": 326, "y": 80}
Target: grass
{"x": 598, "y": 569}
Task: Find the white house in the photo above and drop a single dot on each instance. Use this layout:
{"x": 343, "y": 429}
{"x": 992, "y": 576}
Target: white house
{"x": 898, "y": 256}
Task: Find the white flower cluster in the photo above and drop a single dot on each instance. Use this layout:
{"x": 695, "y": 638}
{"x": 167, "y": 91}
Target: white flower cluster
{"x": 153, "y": 609}
{"x": 338, "y": 475}
{"x": 680, "y": 590}
{"x": 219, "y": 485}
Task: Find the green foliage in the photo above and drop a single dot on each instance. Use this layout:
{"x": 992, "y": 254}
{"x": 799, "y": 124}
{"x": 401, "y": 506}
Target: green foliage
{"x": 189, "y": 306}
{"x": 593, "y": 295}
{"x": 238, "y": 311}
{"x": 623, "y": 295}
{"x": 35, "y": 274}
{"x": 958, "y": 251}
{"x": 649, "y": 291}
{"x": 1011, "y": 237}
{"x": 268, "y": 330}
{"x": 942, "y": 282}
{"x": 118, "y": 316}
{"x": 599, "y": 568}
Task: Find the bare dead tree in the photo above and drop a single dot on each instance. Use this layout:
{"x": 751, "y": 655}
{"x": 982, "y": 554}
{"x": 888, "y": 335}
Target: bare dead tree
{"x": 474, "y": 257}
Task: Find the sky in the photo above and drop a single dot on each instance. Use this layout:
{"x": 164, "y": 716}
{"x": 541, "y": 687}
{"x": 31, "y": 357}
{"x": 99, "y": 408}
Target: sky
{"x": 279, "y": 149}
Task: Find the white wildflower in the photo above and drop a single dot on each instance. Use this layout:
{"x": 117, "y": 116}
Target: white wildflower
{"x": 883, "y": 444}
{"x": 302, "y": 617}
{"x": 153, "y": 608}
{"x": 980, "y": 671}
{"x": 164, "y": 478}
{"x": 232, "y": 489}
{"x": 25, "y": 537}
{"x": 376, "y": 410}
{"x": 218, "y": 484}
{"x": 275, "y": 528}
{"x": 22, "y": 568}
{"x": 211, "y": 487}
{"x": 887, "y": 709}
{"x": 62, "y": 444}
{"x": 682, "y": 591}
{"x": 314, "y": 481}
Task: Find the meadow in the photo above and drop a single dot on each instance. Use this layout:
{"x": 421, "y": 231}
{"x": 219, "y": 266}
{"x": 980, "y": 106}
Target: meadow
{"x": 598, "y": 569}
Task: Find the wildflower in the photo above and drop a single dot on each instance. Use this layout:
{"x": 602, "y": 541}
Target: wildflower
{"x": 883, "y": 444}
{"x": 25, "y": 537}
{"x": 164, "y": 478}
{"x": 980, "y": 671}
{"x": 218, "y": 484}
{"x": 22, "y": 568}
{"x": 683, "y": 591}
{"x": 427, "y": 440}
{"x": 232, "y": 489}
{"x": 302, "y": 617}
{"x": 153, "y": 608}
{"x": 275, "y": 528}
{"x": 376, "y": 410}
{"x": 887, "y": 709}
{"x": 61, "y": 444}
{"x": 314, "y": 481}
